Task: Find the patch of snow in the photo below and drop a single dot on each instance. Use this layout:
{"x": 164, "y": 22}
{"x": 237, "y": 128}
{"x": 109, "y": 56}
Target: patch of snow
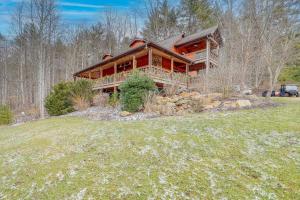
{"x": 110, "y": 113}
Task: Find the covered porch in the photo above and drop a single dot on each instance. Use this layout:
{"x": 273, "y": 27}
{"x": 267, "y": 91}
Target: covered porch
{"x": 163, "y": 68}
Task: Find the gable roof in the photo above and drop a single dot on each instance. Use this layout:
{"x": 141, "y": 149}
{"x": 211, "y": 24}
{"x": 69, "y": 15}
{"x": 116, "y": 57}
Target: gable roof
{"x": 178, "y": 40}
{"x": 165, "y": 46}
{"x": 196, "y": 36}
{"x": 169, "y": 43}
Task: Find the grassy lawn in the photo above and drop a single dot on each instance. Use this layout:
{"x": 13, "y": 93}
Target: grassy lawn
{"x": 249, "y": 154}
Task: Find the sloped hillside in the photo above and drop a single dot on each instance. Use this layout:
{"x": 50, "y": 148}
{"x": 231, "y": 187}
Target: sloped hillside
{"x": 290, "y": 75}
{"x": 250, "y": 154}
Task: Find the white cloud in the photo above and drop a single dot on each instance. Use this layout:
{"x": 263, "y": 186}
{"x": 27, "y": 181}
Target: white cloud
{"x": 82, "y": 5}
{"x": 85, "y": 5}
{"x": 78, "y": 13}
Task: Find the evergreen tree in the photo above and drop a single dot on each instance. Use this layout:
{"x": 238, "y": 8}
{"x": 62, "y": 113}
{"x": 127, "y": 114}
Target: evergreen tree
{"x": 162, "y": 21}
{"x": 195, "y": 14}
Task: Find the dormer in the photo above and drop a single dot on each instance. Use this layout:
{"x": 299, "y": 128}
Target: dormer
{"x": 106, "y": 56}
{"x": 137, "y": 42}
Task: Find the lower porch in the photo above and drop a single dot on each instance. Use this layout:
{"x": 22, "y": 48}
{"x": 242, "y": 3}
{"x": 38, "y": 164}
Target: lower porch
{"x": 157, "y": 74}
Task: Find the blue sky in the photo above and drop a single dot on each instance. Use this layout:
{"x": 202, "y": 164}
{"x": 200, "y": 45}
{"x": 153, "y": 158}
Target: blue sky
{"x": 71, "y": 11}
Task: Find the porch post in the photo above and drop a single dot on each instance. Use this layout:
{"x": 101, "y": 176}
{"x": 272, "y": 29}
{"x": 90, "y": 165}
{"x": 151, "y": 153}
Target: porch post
{"x": 187, "y": 74}
{"x": 186, "y": 69}
{"x": 207, "y": 55}
{"x": 101, "y": 73}
{"x": 172, "y": 67}
{"x": 207, "y": 64}
{"x": 115, "y": 89}
{"x": 115, "y": 71}
{"x": 133, "y": 62}
{"x": 218, "y": 54}
{"x": 90, "y": 75}
{"x": 150, "y": 57}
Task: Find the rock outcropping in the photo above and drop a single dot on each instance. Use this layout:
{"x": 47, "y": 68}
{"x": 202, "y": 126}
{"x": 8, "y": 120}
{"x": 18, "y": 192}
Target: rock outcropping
{"x": 186, "y": 102}
{"x": 190, "y": 102}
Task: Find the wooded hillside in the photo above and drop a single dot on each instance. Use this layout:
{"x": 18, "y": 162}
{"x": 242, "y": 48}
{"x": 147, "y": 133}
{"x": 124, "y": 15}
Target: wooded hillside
{"x": 260, "y": 38}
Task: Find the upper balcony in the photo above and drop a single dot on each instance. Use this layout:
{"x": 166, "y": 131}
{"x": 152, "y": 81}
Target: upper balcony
{"x": 203, "y": 55}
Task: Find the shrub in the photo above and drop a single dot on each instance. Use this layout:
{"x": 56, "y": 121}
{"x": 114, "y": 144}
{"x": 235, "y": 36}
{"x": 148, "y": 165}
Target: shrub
{"x": 5, "y": 115}
{"x": 101, "y": 99}
{"x": 113, "y": 99}
{"x": 80, "y": 103}
{"x": 82, "y": 94}
{"x": 150, "y": 104}
{"x": 134, "y": 91}
{"x": 83, "y": 89}
{"x": 58, "y": 102}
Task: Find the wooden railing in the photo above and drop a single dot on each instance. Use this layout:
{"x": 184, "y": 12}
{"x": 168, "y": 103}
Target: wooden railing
{"x": 158, "y": 74}
{"x": 213, "y": 56}
{"x": 201, "y": 55}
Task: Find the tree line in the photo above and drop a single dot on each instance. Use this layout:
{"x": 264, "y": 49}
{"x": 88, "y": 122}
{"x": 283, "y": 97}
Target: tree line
{"x": 260, "y": 37}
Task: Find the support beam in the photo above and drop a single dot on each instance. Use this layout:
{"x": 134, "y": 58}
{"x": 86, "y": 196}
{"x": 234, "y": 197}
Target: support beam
{"x": 214, "y": 41}
{"x": 115, "y": 71}
{"x": 207, "y": 56}
{"x": 101, "y": 73}
{"x": 74, "y": 77}
{"x": 115, "y": 89}
{"x": 187, "y": 69}
{"x": 187, "y": 74}
{"x": 172, "y": 64}
{"x": 133, "y": 62}
{"x": 150, "y": 57}
{"x": 90, "y": 75}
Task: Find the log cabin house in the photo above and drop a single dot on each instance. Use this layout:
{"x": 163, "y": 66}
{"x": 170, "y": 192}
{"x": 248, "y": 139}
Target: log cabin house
{"x": 178, "y": 60}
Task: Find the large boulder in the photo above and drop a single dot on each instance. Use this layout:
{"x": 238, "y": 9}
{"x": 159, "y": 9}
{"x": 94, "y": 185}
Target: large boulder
{"x": 168, "y": 109}
{"x": 212, "y": 105}
{"x": 185, "y": 94}
{"x": 198, "y": 97}
{"x": 125, "y": 113}
{"x": 182, "y": 102}
{"x": 229, "y": 104}
{"x": 175, "y": 98}
{"x": 215, "y": 96}
{"x": 194, "y": 94}
{"x": 243, "y": 103}
{"x": 162, "y": 100}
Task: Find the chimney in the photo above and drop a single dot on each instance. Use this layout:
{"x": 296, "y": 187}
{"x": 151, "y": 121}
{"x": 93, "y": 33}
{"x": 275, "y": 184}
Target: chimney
{"x": 137, "y": 42}
{"x": 106, "y": 56}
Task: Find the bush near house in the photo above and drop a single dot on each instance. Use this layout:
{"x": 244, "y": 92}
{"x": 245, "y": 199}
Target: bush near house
{"x": 113, "y": 100}
{"x": 82, "y": 94}
{"x": 69, "y": 96}
{"x": 134, "y": 91}
{"x": 58, "y": 102}
{"x": 5, "y": 115}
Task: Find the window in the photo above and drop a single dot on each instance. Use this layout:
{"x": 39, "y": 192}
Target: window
{"x": 157, "y": 61}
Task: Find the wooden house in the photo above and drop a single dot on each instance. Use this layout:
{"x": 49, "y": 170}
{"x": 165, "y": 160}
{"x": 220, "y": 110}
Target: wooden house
{"x": 177, "y": 60}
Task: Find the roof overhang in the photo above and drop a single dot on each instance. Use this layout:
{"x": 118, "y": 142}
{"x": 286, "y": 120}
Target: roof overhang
{"x": 199, "y": 36}
{"x": 135, "y": 50}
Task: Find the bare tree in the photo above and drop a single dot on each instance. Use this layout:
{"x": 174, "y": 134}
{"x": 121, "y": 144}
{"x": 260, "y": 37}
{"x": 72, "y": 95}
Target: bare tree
{"x": 3, "y": 64}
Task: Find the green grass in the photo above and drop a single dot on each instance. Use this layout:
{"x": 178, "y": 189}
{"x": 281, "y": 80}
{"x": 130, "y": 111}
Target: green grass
{"x": 235, "y": 155}
{"x": 290, "y": 75}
